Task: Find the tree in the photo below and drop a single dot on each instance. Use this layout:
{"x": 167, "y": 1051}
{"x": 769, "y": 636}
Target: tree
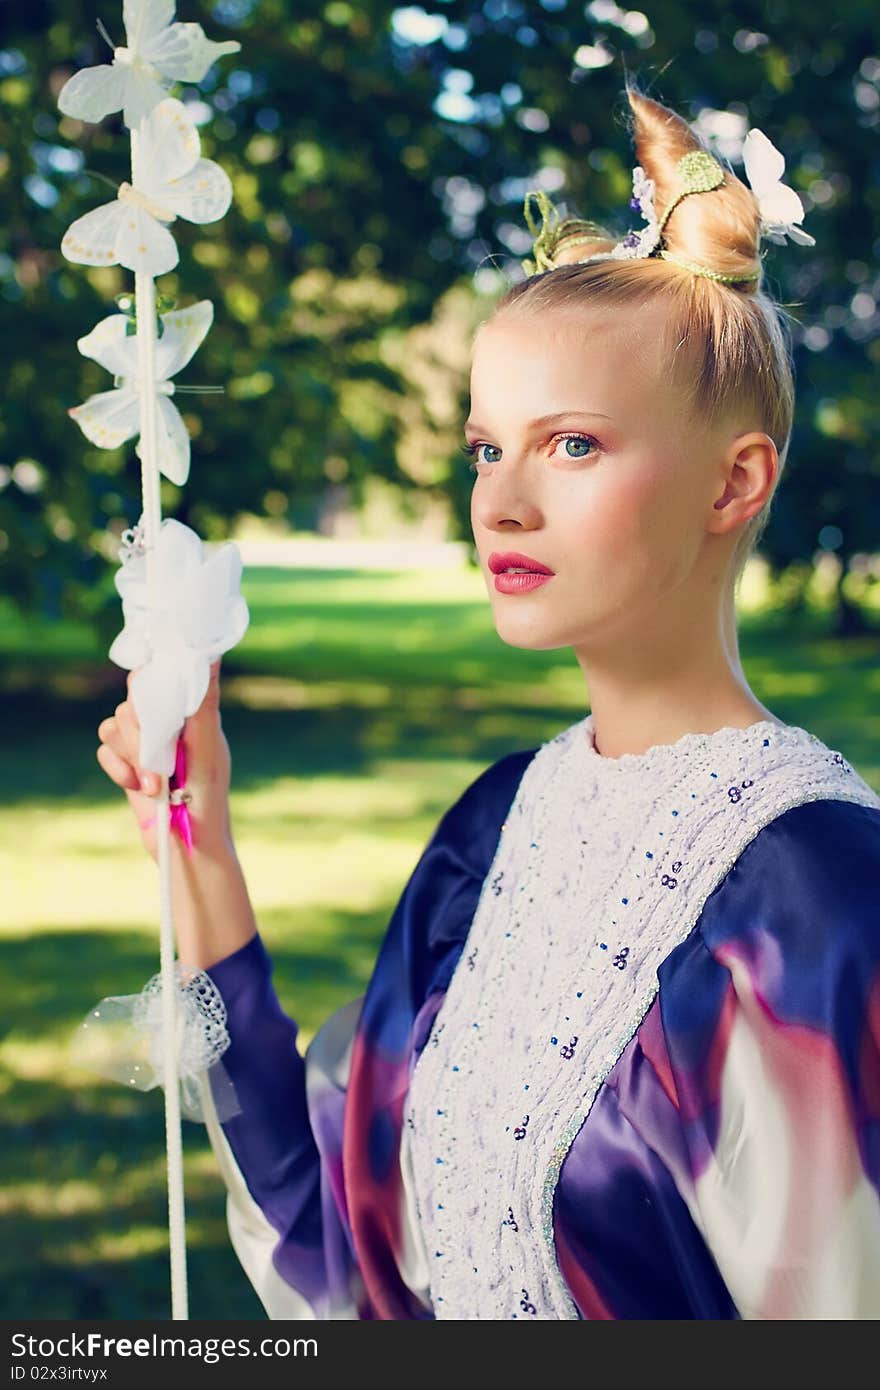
{"x": 379, "y": 158}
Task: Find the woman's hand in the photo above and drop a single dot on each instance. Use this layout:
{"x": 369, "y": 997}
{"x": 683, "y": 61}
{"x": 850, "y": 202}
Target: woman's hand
{"x": 208, "y": 768}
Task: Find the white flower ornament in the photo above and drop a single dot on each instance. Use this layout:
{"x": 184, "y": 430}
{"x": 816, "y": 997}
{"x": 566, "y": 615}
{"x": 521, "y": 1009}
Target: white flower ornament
{"x": 638, "y": 245}
{"x": 133, "y": 83}
{"x": 698, "y": 172}
{"x": 780, "y": 207}
{"x": 111, "y": 417}
{"x": 198, "y": 614}
{"x": 172, "y": 181}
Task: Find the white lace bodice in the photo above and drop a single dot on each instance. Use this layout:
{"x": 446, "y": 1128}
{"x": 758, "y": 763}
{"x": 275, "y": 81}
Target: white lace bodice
{"x": 602, "y": 867}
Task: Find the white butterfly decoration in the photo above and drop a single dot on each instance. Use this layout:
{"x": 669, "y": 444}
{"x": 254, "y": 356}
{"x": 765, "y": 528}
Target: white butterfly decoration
{"x": 199, "y": 613}
{"x": 111, "y": 417}
{"x": 780, "y": 206}
{"x": 156, "y": 49}
{"x": 171, "y": 181}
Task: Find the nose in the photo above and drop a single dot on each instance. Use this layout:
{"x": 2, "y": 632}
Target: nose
{"x": 504, "y": 500}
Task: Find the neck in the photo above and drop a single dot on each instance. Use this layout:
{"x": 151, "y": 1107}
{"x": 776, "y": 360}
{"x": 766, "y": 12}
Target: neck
{"x": 664, "y": 681}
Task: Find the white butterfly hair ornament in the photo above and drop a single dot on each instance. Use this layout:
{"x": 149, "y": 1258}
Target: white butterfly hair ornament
{"x": 111, "y": 417}
{"x": 172, "y": 181}
{"x": 156, "y": 49}
{"x": 780, "y": 207}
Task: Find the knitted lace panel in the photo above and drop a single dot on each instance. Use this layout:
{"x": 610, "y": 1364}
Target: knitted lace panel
{"x": 602, "y": 868}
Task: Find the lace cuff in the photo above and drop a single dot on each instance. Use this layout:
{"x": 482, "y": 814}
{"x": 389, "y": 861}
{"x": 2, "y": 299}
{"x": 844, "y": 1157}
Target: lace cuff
{"x": 122, "y": 1040}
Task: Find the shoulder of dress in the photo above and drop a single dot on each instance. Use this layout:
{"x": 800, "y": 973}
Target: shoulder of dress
{"x": 810, "y": 874}
{"x": 501, "y": 779}
{"x": 479, "y": 811}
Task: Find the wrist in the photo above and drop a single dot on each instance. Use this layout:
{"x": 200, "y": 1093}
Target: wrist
{"x": 209, "y": 844}
{"x": 213, "y": 915}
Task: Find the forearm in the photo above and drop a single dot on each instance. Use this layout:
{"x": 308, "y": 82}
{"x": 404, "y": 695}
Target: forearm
{"x": 212, "y": 911}
{"x": 271, "y": 1137}
{"x": 267, "y": 1152}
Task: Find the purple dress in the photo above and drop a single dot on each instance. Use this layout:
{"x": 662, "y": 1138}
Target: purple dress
{"x": 729, "y": 1165}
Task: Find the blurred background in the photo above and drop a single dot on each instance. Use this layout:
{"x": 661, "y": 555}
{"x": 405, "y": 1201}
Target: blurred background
{"x": 379, "y": 157}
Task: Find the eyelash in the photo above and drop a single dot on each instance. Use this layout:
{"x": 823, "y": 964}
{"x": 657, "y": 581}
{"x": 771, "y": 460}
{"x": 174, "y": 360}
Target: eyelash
{"x": 471, "y": 449}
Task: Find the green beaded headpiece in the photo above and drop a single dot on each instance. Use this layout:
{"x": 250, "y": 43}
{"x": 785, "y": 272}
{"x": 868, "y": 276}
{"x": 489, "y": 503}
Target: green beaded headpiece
{"x": 698, "y": 172}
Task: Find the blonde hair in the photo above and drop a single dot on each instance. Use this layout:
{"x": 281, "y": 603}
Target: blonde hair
{"x": 729, "y": 346}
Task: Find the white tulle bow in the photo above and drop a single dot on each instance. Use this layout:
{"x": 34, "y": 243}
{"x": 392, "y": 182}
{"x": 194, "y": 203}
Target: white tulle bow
{"x": 199, "y": 614}
{"x": 122, "y": 1039}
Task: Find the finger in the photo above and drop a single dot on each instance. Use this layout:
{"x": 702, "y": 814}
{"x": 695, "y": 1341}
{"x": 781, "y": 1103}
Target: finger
{"x": 128, "y": 741}
{"x": 212, "y": 694}
{"x": 128, "y": 680}
{"x": 122, "y": 736}
{"x": 203, "y": 724}
{"x": 126, "y": 716}
{"x": 116, "y": 768}
{"x": 107, "y": 729}
{"x": 128, "y": 744}
{"x": 114, "y": 738}
{"x": 129, "y": 711}
{"x": 144, "y": 819}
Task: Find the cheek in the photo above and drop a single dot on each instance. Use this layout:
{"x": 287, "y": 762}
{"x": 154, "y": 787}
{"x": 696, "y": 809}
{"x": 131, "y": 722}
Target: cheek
{"x": 626, "y": 530}
{"x": 612, "y": 514}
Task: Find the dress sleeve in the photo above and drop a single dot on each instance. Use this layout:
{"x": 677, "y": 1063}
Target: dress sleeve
{"x": 771, "y": 1017}
{"x": 311, "y": 1195}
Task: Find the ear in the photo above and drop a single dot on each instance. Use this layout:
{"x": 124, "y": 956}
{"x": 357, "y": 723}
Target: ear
{"x": 748, "y": 469}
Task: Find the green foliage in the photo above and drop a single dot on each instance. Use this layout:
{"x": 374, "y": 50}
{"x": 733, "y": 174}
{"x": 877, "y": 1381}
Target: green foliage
{"x": 378, "y": 161}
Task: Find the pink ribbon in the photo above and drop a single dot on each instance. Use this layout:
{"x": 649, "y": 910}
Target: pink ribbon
{"x": 178, "y": 812}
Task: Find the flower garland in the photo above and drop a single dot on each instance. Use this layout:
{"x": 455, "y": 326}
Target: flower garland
{"x": 181, "y": 608}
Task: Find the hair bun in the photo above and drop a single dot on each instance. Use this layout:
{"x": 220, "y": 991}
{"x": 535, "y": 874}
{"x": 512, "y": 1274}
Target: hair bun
{"x": 721, "y": 231}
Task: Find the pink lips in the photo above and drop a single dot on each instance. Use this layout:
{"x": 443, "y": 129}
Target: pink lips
{"x": 501, "y": 560}
{"x": 507, "y": 583}
{"x": 520, "y": 583}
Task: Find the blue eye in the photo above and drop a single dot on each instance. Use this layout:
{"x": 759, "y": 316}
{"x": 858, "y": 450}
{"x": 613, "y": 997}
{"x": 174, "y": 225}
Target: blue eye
{"x": 590, "y": 445}
{"x": 577, "y": 439}
{"x": 471, "y": 450}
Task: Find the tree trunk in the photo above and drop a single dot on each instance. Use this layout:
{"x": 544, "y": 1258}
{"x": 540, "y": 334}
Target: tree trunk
{"x": 849, "y": 620}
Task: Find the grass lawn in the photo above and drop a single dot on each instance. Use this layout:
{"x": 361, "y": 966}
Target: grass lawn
{"x": 357, "y": 708}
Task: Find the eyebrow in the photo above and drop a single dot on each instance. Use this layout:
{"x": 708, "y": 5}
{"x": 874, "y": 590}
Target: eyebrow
{"x": 542, "y": 420}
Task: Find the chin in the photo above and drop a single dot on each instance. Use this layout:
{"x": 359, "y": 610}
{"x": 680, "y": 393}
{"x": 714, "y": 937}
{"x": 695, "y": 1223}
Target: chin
{"x": 532, "y": 636}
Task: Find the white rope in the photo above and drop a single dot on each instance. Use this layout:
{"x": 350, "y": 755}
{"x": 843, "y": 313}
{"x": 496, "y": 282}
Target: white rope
{"x": 145, "y": 311}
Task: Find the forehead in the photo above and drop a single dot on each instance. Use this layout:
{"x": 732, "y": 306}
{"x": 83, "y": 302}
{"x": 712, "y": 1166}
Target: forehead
{"x": 608, "y": 360}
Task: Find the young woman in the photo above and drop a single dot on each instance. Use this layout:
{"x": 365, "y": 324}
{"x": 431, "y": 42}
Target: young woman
{"x": 620, "y": 1053}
